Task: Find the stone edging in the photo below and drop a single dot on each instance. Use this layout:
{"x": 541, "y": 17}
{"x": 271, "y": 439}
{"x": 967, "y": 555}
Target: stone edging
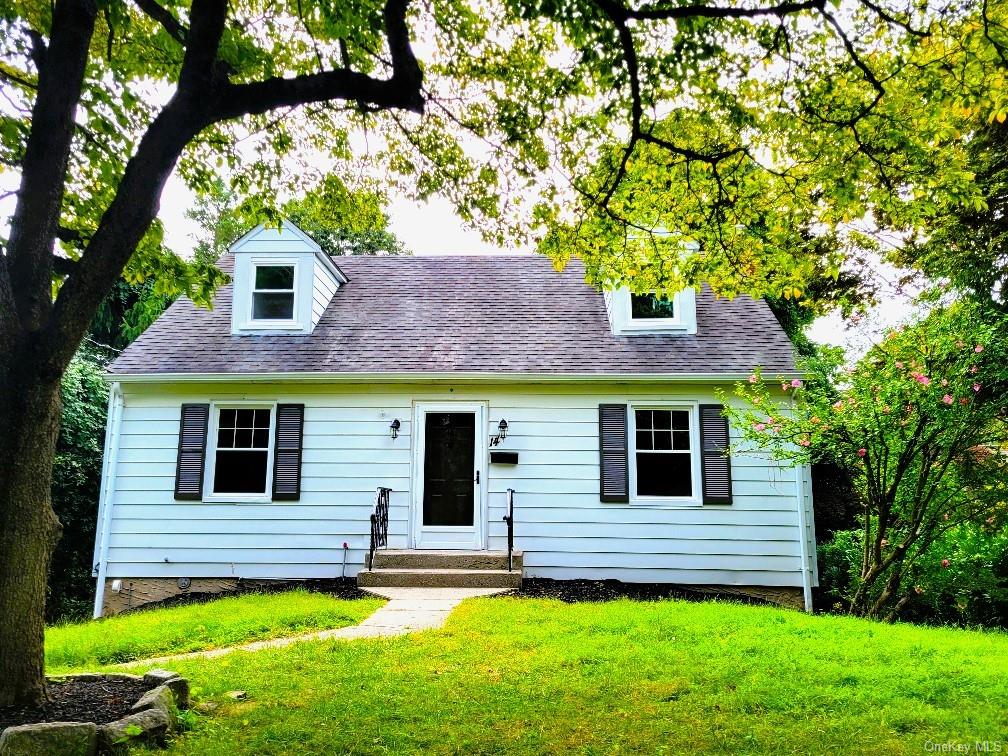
{"x": 150, "y": 719}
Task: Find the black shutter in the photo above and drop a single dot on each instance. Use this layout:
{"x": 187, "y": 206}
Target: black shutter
{"x": 191, "y": 451}
{"x": 287, "y": 454}
{"x": 714, "y": 459}
{"x": 614, "y": 473}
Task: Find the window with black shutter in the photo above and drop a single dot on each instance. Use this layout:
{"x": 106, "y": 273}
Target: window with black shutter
{"x": 287, "y": 455}
{"x": 715, "y": 462}
{"x": 614, "y": 474}
{"x": 191, "y": 451}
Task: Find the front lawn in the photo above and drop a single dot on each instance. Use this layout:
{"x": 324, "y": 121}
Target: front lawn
{"x": 195, "y": 627}
{"x": 538, "y": 676}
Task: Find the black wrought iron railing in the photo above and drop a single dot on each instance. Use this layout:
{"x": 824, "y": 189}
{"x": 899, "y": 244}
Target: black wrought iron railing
{"x": 379, "y": 523}
{"x": 509, "y": 519}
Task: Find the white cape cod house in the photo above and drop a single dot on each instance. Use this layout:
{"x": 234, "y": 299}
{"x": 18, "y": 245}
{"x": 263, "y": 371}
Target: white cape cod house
{"x": 255, "y": 441}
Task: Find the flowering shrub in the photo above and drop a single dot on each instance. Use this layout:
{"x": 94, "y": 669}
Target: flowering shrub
{"x": 921, "y": 421}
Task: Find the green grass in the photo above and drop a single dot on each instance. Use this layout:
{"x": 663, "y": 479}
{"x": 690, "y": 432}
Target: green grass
{"x": 536, "y": 676}
{"x": 195, "y": 627}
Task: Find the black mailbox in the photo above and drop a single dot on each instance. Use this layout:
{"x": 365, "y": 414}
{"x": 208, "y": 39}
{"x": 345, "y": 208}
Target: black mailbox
{"x": 504, "y": 458}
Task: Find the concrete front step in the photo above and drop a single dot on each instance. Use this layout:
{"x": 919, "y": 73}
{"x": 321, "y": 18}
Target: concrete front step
{"x": 409, "y": 559}
{"x": 438, "y": 578}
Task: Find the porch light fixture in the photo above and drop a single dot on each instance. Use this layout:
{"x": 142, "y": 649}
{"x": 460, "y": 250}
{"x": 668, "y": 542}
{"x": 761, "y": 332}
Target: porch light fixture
{"x": 394, "y": 428}
{"x": 502, "y": 428}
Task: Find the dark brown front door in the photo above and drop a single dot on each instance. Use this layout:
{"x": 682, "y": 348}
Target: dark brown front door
{"x": 449, "y": 469}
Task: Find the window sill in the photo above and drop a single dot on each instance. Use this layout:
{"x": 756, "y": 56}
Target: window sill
{"x": 237, "y": 499}
{"x": 661, "y": 502}
{"x": 272, "y": 325}
{"x": 653, "y": 328}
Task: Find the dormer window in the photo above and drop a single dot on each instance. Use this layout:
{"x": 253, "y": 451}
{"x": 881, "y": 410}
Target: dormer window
{"x": 283, "y": 282}
{"x": 651, "y": 313}
{"x": 652, "y": 307}
{"x": 273, "y": 293}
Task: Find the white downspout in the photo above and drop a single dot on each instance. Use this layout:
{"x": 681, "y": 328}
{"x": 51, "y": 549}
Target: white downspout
{"x": 803, "y": 536}
{"x": 110, "y": 456}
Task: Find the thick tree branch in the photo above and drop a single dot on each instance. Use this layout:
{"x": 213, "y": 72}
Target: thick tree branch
{"x": 402, "y": 91}
{"x": 43, "y": 169}
{"x": 157, "y": 12}
{"x": 202, "y": 42}
{"x": 717, "y": 11}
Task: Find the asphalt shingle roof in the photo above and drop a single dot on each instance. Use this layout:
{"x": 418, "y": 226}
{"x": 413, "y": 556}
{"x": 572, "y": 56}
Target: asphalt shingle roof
{"x": 465, "y": 314}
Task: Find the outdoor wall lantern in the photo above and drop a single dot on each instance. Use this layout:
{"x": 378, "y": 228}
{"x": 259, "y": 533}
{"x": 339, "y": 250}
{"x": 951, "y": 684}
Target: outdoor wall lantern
{"x": 394, "y": 428}
{"x": 502, "y": 428}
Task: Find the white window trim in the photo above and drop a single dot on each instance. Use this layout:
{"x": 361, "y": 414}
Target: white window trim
{"x": 211, "y": 455}
{"x": 684, "y": 303}
{"x": 291, "y": 324}
{"x": 695, "y": 499}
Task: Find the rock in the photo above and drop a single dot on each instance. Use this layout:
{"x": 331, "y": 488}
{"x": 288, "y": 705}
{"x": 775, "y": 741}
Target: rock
{"x": 179, "y": 687}
{"x": 237, "y": 695}
{"x": 156, "y": 698}
{"x": 206, "y": 707}
{"x": 150, "y": 725}
{"x": 50, "y": 739}
{"x": 159, "y": 676}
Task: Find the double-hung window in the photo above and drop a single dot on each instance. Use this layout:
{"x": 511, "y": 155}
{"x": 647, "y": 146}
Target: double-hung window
{"x": 273, "y": 293}
{"x": 242, "y": 453}
{"x": 663, "y": 452}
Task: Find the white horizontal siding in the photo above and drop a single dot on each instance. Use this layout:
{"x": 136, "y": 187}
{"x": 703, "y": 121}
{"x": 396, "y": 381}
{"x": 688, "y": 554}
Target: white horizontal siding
{"x": 323, "y": 288}
{"x": 560, "y": 523}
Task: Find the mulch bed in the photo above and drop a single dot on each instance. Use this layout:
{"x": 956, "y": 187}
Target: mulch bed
{"x": 572, "y": 591}
{"x": 100, "y": 701}
{"x": 338, "y": 587}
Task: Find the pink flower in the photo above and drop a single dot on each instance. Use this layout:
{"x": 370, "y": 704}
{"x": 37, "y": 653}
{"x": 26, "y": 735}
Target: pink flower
{"x": 795, "y": 383}
{"x": 945, "y": 564}
{"x": 784, "y": 387}
{"x": 978, "y": 348}
{"x": 760, "y": 427}
{"x": 974, "y": 369}
{"x": 947, "y": 399}
{"x": 805, "y": 442}
{"x": 838, "y": 405}
{"x": 862, "y": 451}
{"x": 753, "y": 378}
{"x": 990, "y": 520}
{"x": 899, "y": 365}
{"x": 922, "y": 379}
{"x": 976, "y": 386}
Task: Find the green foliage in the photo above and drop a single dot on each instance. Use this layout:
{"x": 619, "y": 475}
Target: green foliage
{"x": 522, "y": 676}
{"x": 195, "y": 627}
{"x": 76, "y": 480}
{"x": 920, "y": 420}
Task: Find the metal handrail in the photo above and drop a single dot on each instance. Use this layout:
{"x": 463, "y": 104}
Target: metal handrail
{"x": 379, "y": 523}
{"x": 509, "y": 519}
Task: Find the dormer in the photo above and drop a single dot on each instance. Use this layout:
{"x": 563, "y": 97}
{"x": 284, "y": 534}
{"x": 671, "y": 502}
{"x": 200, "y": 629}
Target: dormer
{"x": 283, "y": 282}
{"x": 642, "y": 314}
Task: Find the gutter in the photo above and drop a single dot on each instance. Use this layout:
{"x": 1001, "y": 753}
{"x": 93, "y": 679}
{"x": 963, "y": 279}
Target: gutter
{"x": 110, "y": 456}
{"x": 446, "y": 377}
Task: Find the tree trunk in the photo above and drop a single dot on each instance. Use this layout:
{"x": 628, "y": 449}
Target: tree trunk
{"x": 29, "y": 529}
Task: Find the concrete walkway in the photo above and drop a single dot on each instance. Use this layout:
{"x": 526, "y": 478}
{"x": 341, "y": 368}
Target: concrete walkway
{"x": 408, "y": 610}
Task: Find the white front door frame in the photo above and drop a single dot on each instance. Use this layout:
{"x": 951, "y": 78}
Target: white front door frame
{"x": 449, "y": 537}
